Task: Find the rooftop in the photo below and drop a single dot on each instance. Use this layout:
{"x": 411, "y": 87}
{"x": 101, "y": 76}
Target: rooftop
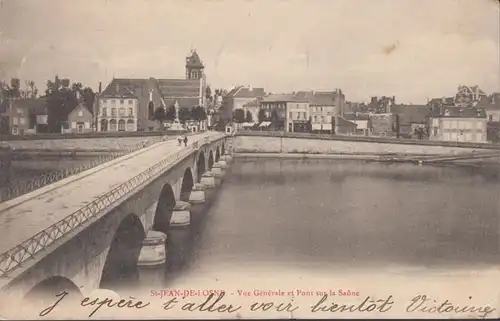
{"x": 283, "y": 98}
{"x": 458, "y": 112}
{"x": 246, "y": 92}
{"x": 194, "y": 60}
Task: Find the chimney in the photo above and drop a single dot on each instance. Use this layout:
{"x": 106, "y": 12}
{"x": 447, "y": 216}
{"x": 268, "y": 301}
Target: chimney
{"x": 100, "y": 87}
{"x": 151, "y": 95}
{"x": 117, "y": 88}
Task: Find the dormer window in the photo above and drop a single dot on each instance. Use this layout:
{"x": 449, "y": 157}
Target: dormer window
{"x": 194, "y": 74}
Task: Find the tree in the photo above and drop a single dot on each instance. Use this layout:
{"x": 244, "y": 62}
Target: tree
{"x": 15, "y": 87}
{"x": 88, "y": 96}
{"x": 208, "y": 93}
{"x": 170, "y": 113}
{"x": 184, "y": 115}
{"x": 60, "y": 102}
{"x": 31, "y": 90}
{"x": 238, "y": 115}
{"x": 160, "y": 115}
{"x": 262, "y": 115}
{"x": 274, "y": 118}
{"x": 248, "y": 117}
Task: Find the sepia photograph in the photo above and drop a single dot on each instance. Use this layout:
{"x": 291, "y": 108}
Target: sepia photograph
{"x": 242, "y": 159}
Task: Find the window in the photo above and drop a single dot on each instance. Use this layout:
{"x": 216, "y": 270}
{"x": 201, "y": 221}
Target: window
{"x": 491, "y": 117}
{"x": 315, "y": 118}
{"x": 15, "y": 121}
{"x": 80, "y": 113}
{"x": 130, "y": 102}
{"x": 322, "y": 119}
{"x": 79, "y": 127}
{"x": 122, "y": 101}
{"x": 194, "y": 74}
{"x": 122, "y": 112}
{"x": 104, "y": 112}
{"x": 461, "y": 132}
{"x": 121, "y": 125}
{"x": 112, "y": 125}
{"x": 104, "y": 101}
{"x": 131, "y": 112}
{"x": 113, "y": 112}
{"x": 19, "y": 111}
{"x": 22, "y": 121}
{"x": 113, "y": 101}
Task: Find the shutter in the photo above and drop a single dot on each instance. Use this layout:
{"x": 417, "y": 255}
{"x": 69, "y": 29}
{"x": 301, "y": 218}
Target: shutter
{"x": 73, "y": 124}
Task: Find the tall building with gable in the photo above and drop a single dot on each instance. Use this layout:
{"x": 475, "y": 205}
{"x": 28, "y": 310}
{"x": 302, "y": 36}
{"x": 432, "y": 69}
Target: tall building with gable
{"x": 128, "y": 104}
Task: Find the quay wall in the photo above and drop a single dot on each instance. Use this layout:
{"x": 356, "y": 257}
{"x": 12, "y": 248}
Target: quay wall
{"x": 276, "y": 142}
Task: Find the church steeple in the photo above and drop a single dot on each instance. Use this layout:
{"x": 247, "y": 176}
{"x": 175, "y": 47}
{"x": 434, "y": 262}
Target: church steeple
{"x": 194, "y": 66}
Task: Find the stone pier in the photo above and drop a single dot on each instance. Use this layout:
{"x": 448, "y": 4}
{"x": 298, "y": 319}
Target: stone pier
{"x": 181, "y": 215}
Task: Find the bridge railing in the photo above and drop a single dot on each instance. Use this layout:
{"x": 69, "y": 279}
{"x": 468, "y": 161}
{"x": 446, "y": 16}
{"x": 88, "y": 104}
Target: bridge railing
{"x": 13, "y": 258}
{"x": 18, "y": 189}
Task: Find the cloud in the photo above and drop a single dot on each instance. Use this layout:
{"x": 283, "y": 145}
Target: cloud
{"x": 411, "y": 49}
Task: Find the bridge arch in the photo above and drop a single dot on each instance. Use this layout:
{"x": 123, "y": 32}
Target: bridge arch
{"x": 123, "y": 254}
{"x": 217, "y": 154}
{"x": 187, "y": 185}
{"x": 200, "y": 166}
{"x": 47, "y": 291}
{"x": 210, "y": 160}
{"x": 164, "y": 209}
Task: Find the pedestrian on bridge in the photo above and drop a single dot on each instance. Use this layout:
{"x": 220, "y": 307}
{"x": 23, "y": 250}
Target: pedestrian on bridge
{"x": 179, "y": 140}
{"x": 185, "y": 140}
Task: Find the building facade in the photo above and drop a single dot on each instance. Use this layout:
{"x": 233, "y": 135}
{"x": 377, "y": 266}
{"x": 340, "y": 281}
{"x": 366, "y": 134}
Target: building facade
{"x": 252, "y": 108}
{"x": 458, "y": 124}
{"x": 237, "y": 97}
{"x": 283, "y": 110}
{"x": 26, "y": 116}
{"x": 297, "y": 116}
{"x": 79, "y": 120}
{"x": 129, "y": 104}
{"x": 118, "y": 108}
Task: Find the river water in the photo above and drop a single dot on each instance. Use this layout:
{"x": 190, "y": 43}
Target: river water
{"x": 298, "y": 226}
{"x": 337, "y": 214}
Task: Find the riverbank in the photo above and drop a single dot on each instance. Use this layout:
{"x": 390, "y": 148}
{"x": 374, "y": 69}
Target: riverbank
{"x": 418, "y": 159}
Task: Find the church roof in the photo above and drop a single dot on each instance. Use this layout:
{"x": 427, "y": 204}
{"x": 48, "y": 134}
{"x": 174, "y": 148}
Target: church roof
{"x": 185, "y": 91}
{"x": 179, "y": 88}
{"x": 194, "y": 60}
{"x": 123, "y": 87}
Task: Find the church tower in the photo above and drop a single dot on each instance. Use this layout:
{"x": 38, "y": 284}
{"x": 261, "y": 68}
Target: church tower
{"x": 194, "y": 66}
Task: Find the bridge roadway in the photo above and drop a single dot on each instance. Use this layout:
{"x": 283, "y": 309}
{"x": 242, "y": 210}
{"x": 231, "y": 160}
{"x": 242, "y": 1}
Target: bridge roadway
{"x": 25, "y": 216}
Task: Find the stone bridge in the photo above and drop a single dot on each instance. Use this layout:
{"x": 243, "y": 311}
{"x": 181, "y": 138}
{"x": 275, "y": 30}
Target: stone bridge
{"x": 82, "y": 231}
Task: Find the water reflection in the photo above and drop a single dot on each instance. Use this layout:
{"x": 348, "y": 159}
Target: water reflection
{"x": 180, "y": 246}
{"x": 335, "y": 213}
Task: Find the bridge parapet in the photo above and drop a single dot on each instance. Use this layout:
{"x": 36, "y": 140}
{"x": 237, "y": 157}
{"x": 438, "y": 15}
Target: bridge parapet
{"x": 16, "y": 190}
{"x": 369, "y": 139}
{"x": 20, "y": 254}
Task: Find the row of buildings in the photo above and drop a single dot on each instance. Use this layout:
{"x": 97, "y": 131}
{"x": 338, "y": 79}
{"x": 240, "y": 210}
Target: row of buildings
{"x": 124, "y": 105}
{"x": 470, "y": 116}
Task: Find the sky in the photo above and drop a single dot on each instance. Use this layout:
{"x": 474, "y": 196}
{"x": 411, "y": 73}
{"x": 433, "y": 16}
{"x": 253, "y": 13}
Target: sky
{"x": 411, "y": 49}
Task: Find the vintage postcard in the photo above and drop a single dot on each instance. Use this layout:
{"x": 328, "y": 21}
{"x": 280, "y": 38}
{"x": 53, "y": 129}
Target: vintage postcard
{"x": 275, "y": 159}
